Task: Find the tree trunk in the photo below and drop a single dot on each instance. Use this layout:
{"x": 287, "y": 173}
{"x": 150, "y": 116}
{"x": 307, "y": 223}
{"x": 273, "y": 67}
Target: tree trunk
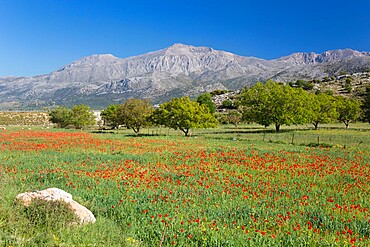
{"x": 316, "y": 125}
{"x": 186, "y": 131}
{"x": 277, "y": 127}
{"x": 346, "y": 123}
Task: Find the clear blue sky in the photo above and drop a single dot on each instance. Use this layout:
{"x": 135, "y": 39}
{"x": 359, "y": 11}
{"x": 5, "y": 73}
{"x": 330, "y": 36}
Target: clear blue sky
{"x": 39, "y": 36}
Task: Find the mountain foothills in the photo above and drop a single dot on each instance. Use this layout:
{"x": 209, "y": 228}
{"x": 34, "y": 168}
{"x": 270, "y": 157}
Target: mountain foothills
{"x": 100, "y": 80}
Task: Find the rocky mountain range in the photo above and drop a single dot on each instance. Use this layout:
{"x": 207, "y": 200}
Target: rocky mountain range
{"x": 100, "y": 80}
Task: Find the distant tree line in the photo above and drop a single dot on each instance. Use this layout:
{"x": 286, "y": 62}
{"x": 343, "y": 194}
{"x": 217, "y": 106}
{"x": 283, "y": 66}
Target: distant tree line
{"x": 267, "y": 104}
{"x": 179, "y": 113}
{"x": 277, "y": 104}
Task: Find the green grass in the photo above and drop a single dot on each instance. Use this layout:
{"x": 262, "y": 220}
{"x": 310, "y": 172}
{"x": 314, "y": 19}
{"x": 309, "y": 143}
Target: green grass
{"x": 220, "y": 187}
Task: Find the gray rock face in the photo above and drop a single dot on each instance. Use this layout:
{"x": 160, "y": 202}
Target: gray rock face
{"x": 99, "y": 80}
{"x": 301, "y": 58}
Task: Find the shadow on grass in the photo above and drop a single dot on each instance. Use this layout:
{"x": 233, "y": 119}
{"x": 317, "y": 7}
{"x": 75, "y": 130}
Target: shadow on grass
{"x": 143, "y": 135}
{"x": 257, "y": 131}
{"x": 103, "y": 132}
{"x": 125, "y": 134}
{"x": 241, "y": 128}
{"x": 343, "y": 128}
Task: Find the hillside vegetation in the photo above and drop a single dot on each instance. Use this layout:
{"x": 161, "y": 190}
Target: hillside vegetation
{"x": 348, "y": 85}
{"x": 24, "y": 118}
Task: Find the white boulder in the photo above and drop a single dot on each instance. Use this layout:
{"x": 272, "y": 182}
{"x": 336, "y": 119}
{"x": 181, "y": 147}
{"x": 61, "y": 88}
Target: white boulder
{"x": 84, "y": 215}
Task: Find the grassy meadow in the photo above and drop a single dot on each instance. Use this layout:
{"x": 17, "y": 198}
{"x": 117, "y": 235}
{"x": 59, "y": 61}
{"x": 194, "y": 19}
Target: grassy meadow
{"x": 230, "y": 186}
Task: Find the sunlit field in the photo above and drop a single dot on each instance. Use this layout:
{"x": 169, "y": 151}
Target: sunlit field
{"x": 224, "y": 187}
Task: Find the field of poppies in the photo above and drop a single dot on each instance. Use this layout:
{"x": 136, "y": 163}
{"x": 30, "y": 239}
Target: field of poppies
{"x": 176, "y": 191}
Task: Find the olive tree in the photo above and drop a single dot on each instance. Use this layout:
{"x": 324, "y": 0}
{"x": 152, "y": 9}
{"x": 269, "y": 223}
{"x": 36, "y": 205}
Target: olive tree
{"x": 82, "y": 116}
{"x": 274, "y": 103}
{"x": 61, "y": 116}
{"x": 348, "y": 109}
{"x": 322, "y": 109}
{"x": 183, "y": 114}
{"x": 134, "y": 114}
{"x": 111, "y": 117}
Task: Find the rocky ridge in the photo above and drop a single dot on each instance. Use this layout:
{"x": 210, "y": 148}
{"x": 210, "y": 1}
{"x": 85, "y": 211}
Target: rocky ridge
{"x": 178, "y": 70}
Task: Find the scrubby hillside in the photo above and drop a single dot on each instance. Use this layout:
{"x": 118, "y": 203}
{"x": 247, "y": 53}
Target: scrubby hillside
{"x": 24, "y": 118}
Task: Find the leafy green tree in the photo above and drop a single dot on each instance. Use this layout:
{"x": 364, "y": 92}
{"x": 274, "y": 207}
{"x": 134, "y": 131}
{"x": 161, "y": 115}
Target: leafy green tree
{"x": 302, "y": 84}
{"x": 234, "y": 117}
{"x": 134, "y": 113}
{"x": 82, "y": 116}
{"x": 348, "y": 109}
{"x": 274, "y": 103}
{"x": 366, "y": 105}
{"x": 221, "y": 118}
{"x": 323, "y": 109}
{"x": 348, "y": 87}
{"x": 219, "y": 92}
{"x": 228, "y": 104}
{"x": 111, "y": 117}
{"x": 184, "y": 114}
{"x": 60, "y": 116}
{"x": 326, "y": 79}
{"x": 206, "y": 99}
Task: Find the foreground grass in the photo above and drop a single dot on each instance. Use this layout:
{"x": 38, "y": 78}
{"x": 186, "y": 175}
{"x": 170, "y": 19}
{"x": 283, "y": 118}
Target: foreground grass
{"x": 213, "y": 190}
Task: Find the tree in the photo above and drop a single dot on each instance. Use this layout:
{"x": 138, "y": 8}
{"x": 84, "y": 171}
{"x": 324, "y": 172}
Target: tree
{"x": 348, "y": 109}
{"x": 234, "y": 117}
{"x": 274, "y": 103}
{"x": 60, "y": 116}
{"x": 111, "y": 117}
{"x": 134, "y": 113}
{"x": 302, "y": 84}
{"x": 323, "y": 109}
{"x": 82, "y": 116}
{"x": 206, "y": 99}
{"x": 183, "y": 114}
{"x": 227, "y": 104}
{"x": 366, "y": 105}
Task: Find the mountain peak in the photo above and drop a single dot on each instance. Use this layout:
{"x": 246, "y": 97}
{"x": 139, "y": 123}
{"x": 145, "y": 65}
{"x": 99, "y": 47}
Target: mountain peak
{"x": 327, "y": 56}
{"x": 97, "y": 57}
{"x": 91, "y": 60}
{"x": 182, "y": 49}
{"x": 179, "y": 46}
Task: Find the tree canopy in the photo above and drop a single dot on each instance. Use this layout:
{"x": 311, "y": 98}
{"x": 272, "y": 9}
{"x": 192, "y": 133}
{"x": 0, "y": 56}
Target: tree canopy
{"x": 274, "y": 103}
{"x": 234, "y": 117}
{"x": 184, "y": 114}
{"x": 60, "y": 116}
{"x": 111, "y": 117}
{"x": 348, "y": 110}
{"x": 80, "y": 116}
{"x": 366, "y": 105}
{"x": 206, "y": 99}
{"x": 134, "y": 113}
{"x": 322, "y": 109}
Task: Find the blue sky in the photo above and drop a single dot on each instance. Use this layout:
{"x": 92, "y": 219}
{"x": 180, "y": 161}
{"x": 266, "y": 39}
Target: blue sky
{"x": 39, "y": 36}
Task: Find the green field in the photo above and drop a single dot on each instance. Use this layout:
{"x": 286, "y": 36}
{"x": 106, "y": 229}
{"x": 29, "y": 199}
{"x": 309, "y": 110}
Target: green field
{"x": 245, "y": 186}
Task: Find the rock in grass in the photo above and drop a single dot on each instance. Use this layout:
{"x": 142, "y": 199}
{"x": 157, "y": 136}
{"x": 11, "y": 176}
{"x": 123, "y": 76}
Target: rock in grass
{"x": 84, "y": 215}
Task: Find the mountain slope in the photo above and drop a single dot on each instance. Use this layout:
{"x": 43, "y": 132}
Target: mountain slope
{"x": 178, "y": 70}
